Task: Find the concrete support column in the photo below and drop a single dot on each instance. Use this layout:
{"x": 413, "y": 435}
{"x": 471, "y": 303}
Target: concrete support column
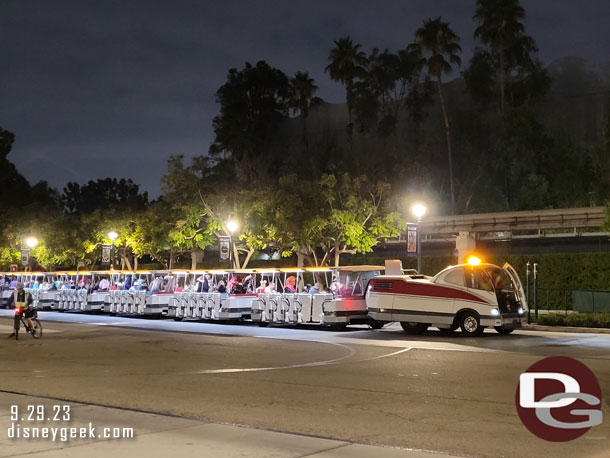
{"x": 465, "y": 244}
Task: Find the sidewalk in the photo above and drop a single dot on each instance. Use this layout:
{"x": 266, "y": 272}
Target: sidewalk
{"x": 575, "y": 329}
{"x": 162, "y": 436}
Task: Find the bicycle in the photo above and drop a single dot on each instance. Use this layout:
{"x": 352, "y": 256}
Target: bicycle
{"x": 35, "y": 331}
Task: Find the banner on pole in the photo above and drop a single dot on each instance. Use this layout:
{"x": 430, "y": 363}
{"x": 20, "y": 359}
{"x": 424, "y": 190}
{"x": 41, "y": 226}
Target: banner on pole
{"x": 25, "y": 256}
{"x": 411, "y": 239}
{"x": 106, "y": 253}
{"x": 225, "y": 248}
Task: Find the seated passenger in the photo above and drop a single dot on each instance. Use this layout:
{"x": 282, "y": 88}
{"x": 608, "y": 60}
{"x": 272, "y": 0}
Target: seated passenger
{"x": 316, "y": 289}
{"x": 221, "y": 286}
{"x": 104, "y": 285}
{"x": 290, "y": 285}
{"x": 261, "y": 288}
{"x": 270, "y": 288}
{"x": 238, "y": 288}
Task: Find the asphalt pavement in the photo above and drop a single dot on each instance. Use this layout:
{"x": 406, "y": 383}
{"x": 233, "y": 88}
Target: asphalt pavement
{"x": 434, "y": 393}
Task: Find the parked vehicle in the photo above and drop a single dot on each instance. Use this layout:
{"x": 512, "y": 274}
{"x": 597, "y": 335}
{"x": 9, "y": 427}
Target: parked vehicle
{"x": 469, "y": 296}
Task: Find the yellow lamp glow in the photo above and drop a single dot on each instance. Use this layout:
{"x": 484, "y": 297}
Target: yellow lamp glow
{"x": 232, "y": 226}
{"x": 473, "y": 261}
{"x": 418, "y": 210}
{"x": 31, "y": 242}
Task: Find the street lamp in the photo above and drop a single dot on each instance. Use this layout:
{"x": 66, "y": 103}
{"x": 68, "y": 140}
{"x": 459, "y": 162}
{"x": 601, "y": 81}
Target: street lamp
{"x": 419, "y": 211}
{"x": 231, "y": 227}
{"x": 31, "y": 243}
{"x": 112, "y": 235}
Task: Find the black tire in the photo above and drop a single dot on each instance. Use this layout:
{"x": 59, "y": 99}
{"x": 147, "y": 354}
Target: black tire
{"x": 340, "y": 327}
{"x": 262, "y": 324}
{"x": 414, "y": 328}
{"x": 176, "y": 318}
{"x": 503, "y": 331}
{"x": 37, "y": 329}
{"x": 375, "y": 324}
{"x": 470, "y": 324}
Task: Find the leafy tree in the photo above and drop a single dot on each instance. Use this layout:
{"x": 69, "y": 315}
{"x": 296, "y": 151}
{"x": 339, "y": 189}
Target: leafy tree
{"x": 510, "y": 62}
{"x": 301, "y": 98}
{"x": 103, "y": 194}
{"x": 336, "y": 215}
{"x": 440, "y": 46}
{"x": 391, "y": 82}
{"x": 252, "y": 103}
{"x": 14, "y": 188}
{"x": 345, "y": 64}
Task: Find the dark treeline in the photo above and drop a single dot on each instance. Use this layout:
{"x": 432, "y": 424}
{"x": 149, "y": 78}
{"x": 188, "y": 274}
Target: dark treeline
{"x": 307, "y": 178}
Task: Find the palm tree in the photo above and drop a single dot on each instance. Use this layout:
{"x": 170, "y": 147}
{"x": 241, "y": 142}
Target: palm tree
{"x": 440, "y": 48}
{"x": 346, "y": 63}
{"x": 500, "y": 27}
{"x": 301, "y": 98}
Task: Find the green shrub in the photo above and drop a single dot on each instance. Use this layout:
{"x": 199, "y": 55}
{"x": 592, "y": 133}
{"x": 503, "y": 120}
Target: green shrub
{"x": 583, "y": 320}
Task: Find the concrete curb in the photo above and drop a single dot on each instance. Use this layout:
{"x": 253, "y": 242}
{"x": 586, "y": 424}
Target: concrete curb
{"x": 577, "y": 330}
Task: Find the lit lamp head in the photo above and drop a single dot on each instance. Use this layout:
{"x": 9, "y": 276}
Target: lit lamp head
{"x": 418, "y": 210}
{"x": 112, "y": 235}
{"x": 31, "y": 242}
{"x": 473, "y": 261}
{"x": 232, "y": 226}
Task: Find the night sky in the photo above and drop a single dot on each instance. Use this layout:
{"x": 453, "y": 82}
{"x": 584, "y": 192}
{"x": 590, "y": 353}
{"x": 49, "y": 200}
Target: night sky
{"x": 112, "y": 88}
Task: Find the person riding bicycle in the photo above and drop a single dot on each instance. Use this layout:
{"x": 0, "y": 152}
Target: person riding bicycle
{"x": 22, "y": 300}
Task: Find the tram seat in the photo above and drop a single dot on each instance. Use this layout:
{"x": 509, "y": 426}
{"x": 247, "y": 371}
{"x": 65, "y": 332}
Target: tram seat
{"x": 81, "y": 299}
{"x": 200, "y": 304}
{"x": 285, "y": 306}
{"x": 112, "y": 295}
{"x": 191, "y": 304}
{"x": 256, "y": 313}
{"x": 214, "y": 305}
{"x": 140, "y": 302}
{"x": 317, "y": 308}
{"x": 302, "y": 306}
{"x": 125, "y": 302}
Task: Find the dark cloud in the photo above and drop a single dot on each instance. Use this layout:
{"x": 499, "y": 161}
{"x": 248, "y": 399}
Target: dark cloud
{"x": 112, "y": 88}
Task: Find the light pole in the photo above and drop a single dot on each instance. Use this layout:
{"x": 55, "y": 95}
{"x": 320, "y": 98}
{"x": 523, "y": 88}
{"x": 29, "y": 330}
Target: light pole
{"x": 231, "y": 227}
{"x": 112, "y": 235}
{"x": 418, "y": 210}
{"x": 31, "y": 243}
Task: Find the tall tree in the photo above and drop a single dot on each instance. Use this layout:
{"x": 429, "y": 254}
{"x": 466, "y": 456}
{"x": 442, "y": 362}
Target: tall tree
{"x": 440, "y": 47}
{"x": 345, "y": 64}
{"x": 301, "y": 98}
{"x": 511, "y": 53}
{"x": 252, "y": 103}
{"x": 103, "y": 194}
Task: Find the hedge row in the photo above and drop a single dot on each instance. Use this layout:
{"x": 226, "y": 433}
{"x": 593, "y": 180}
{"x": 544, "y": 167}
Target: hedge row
{"x": 584, "y": 320}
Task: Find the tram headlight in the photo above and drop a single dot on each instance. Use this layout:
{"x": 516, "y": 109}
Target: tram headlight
{"x": 520, "y": 311}
{"x": 495, "y": 312}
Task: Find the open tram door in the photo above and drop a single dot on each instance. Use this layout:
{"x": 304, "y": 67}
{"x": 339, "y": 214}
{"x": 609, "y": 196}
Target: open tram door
{"x": 518, "y": 285}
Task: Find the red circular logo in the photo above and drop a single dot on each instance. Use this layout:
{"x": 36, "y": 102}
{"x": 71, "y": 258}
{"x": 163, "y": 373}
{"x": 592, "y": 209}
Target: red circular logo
{"x": 559, "y": 399}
